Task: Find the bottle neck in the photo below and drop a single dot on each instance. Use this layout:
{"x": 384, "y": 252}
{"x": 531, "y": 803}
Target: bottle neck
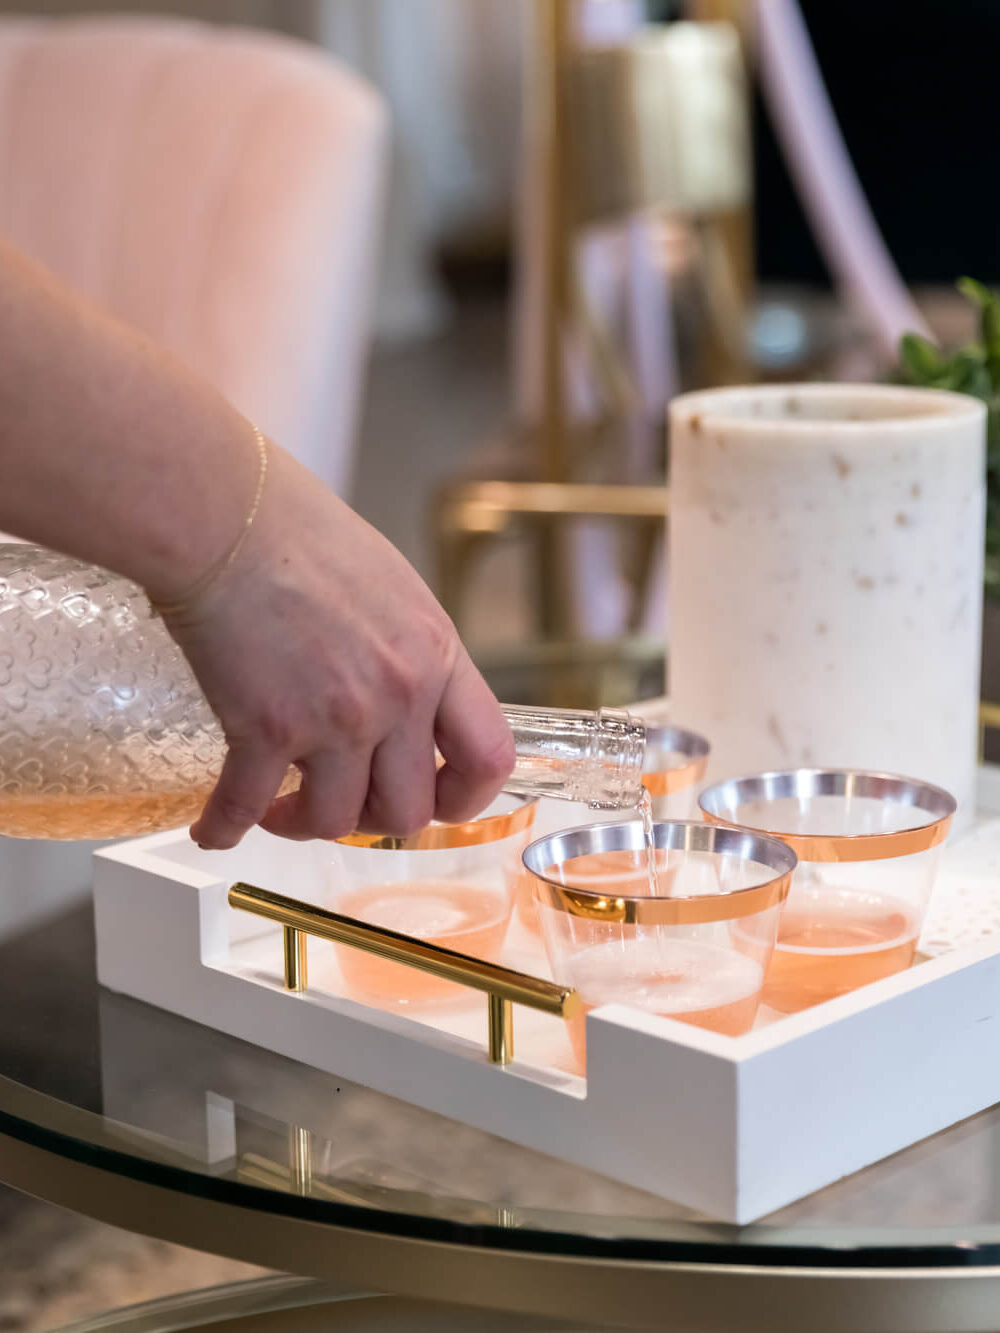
{"x": 615, "y": 768}
{"x": 593, "y": 757}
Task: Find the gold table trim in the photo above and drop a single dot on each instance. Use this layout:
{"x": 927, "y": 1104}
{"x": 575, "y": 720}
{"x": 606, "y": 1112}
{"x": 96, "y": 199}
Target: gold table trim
{"x": 701, "y": 1297}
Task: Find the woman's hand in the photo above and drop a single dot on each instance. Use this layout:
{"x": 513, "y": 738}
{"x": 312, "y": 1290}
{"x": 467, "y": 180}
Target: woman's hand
{"x": 318, "y": 646}
{"x": 321, "y": 647}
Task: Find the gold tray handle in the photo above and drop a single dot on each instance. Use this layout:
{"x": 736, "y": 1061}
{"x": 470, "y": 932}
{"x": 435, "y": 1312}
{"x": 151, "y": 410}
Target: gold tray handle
{"x": 502, "y": 985}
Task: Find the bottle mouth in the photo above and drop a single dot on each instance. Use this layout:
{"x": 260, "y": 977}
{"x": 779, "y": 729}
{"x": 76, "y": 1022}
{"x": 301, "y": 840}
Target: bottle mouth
{"x": 618, "y": 754}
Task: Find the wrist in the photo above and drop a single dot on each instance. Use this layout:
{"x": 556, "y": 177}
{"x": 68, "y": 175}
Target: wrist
{"x": 184, "y": 564}
{"x": 194, "y": 591}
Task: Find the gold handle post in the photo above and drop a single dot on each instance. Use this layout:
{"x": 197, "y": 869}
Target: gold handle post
{"x": 502, "y": 985}
{"x": 296, "y": 967}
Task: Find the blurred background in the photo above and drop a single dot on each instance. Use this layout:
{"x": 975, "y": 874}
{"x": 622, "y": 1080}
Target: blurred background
{"x": 591, "y": 205}
{"x": 472, "y": 326}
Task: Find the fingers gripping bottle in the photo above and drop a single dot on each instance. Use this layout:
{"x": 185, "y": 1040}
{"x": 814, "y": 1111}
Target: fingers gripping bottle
{"x": 104, "y": 731}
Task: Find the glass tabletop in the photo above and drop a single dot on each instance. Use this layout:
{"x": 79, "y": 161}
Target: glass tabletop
{"x": 98, "y": 1077}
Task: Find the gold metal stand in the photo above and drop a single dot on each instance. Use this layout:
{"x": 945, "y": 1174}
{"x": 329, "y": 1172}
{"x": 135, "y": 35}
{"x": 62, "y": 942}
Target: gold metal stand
{"x": 502, "y": 985}
{"x": 468, "y": 513}
{"x": 989, "y": 720}
{"x": 589, "y": 121}
{"x": 553, "y": 40}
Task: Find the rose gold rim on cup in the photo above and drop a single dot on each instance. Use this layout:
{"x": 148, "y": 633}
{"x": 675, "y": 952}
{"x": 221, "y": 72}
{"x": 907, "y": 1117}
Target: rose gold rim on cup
{"x": 438, "y": 837}
{"x": 541, "y": 858}
{"x": 721, "y": 805}
{"x": 674, "y": 740}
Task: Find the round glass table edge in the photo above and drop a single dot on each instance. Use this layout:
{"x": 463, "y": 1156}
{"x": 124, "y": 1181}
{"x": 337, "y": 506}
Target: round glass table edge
{"x": 85, "y": 1137}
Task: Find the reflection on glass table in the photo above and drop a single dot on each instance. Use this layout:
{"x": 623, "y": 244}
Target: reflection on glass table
{"x": 106, "y": 1081}
{"x": 312, "y": 1307}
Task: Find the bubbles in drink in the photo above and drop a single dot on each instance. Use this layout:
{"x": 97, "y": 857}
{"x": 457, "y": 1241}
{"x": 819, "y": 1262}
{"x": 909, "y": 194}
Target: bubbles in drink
{"x": 664, "y": 975}
{"x": 833, "y": 939}
{"x": 418, "y": 910}
{"x": 469, "y": 918}
{"x": 706, "y": 985}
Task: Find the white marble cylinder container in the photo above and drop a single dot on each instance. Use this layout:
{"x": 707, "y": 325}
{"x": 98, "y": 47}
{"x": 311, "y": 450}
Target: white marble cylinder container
{"x": 826, "y": 568}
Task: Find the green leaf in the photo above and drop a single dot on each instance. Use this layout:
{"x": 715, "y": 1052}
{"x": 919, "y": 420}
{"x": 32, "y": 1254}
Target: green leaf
{"x": 976, "y": 292}
{"x": 991, "y": 337}
{"x": 974, "y": 370}
{"x": 921, "y": 360}
{"x": 973, "y": 378}
{"x": 989, "y": 321}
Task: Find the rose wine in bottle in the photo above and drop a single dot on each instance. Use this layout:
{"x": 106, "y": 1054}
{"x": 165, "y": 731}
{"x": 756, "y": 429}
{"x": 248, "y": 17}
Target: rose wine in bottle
{"x": 104, "y": 731}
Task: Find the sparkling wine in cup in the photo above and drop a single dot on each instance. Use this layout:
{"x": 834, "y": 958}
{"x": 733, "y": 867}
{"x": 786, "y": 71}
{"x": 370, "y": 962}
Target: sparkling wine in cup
{"x": 697, "y": 953}
{"x": 868, "y": 846}
{"x": 673, "y": 768}
{"x": 449, "y": 884}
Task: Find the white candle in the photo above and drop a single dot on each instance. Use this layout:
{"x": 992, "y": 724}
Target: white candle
{"x": 826, "y": 567}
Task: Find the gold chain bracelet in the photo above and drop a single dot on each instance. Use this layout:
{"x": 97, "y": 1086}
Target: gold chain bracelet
{"x": 219, "y": 568}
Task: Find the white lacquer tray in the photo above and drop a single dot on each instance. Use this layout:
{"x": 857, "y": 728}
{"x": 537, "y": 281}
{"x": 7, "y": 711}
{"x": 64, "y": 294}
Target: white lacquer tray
{"x": 733, "y": 1126}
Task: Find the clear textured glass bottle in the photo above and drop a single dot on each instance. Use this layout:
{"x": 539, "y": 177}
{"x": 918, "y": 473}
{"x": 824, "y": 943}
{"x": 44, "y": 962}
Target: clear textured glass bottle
{"x": 104, "y": 731}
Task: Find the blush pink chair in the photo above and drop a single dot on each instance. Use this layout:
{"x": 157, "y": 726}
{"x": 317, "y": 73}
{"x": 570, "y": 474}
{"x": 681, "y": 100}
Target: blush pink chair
{"x": 219, "y": 188}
